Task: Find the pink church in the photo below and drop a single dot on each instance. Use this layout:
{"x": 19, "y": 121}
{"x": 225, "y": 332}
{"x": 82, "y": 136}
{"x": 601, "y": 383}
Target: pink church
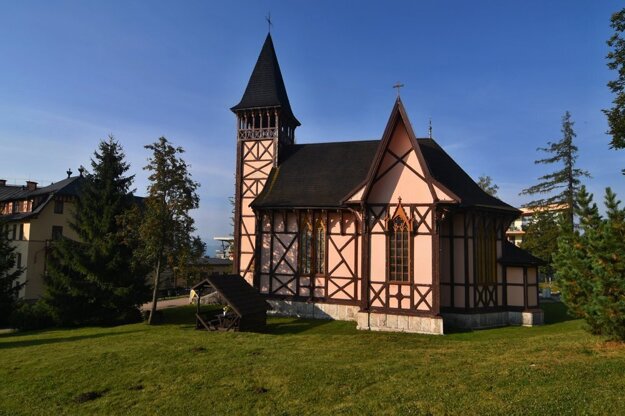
{"x": 389, "y": 233}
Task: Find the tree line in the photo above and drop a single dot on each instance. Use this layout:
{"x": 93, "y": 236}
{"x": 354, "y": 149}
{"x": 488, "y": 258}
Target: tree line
{"x": 582, "y": 249}
{"x": 102, "y": 277}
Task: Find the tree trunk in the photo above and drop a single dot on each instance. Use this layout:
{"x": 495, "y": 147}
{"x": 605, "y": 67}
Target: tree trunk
{"x": 157, "y": 279}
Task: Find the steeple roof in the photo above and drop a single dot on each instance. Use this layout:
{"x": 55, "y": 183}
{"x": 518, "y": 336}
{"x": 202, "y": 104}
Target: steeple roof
{"x": 266, "y": 87}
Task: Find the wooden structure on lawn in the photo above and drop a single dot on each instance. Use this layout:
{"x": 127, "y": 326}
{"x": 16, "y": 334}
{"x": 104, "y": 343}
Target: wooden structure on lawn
{"x": 247, "y": 308}
{"x": 391, "y": 233}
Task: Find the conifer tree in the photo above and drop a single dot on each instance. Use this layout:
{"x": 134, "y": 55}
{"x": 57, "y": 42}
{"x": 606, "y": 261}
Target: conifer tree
{"x": 560, "y": 187}
{"x": 9, "y": 274}
{"x": 95, "y": 279}
{"x": 590, "y": 263}
{"x": 167, "y": 227}
{"x": 616, "y": 62}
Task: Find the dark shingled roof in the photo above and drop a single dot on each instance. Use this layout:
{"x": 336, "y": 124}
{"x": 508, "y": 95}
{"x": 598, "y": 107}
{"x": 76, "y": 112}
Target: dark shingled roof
{"x": 66, "y": 187}
{"x": 322, "y": 175}
{"x": 516, "y": 256}
{"x": 317, "y": 175}
{"x": 266, "y": 86}
{"x": 243, "y": 298}
{"x": 446, "y": 171}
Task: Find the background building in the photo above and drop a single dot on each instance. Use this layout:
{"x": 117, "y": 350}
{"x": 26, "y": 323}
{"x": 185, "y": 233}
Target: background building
{"x": 34, "y": 218}
{"x": 516, "y": 231}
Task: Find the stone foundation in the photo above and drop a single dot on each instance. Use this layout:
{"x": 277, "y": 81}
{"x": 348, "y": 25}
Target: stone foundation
{"x": 400, "y": 323}
{"x": 494, "y": 319}
{"x": 404, "y": 323}
{"x": 313, "y": 310}
{"x": 365, "y": 321}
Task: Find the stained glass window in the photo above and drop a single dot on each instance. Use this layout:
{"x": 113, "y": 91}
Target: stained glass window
{"x": 399, "y": 249}
{"x": 312, "y": 248}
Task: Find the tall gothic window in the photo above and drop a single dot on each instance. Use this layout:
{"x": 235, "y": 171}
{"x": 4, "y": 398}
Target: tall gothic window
{"x": 320, "y": 248}
{"x": 486, "y": 253}
{"x": 399, "y": 252}
{"x": 312, "y": 247}
{"x": 305, "y": 248}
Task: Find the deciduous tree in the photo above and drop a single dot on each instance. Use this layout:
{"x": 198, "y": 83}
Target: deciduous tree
{"x": 541, "y": 238}
{"x": 167, "y": 227}
{"x": 486, "y": 183}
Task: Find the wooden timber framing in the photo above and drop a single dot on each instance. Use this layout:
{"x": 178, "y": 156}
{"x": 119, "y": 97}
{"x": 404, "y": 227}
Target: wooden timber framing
{"x": 279, "y": 274}
{"x": 313, "y": 221}
{"x": 382, "y": 294}
{"x": 478, "y": 298}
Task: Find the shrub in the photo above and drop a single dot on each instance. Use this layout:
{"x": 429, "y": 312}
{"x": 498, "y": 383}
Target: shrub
{"x": 28, "y": 316}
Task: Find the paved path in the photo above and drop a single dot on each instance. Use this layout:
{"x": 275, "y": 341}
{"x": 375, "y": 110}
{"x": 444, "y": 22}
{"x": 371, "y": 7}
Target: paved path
{"x": 167, "y": 303}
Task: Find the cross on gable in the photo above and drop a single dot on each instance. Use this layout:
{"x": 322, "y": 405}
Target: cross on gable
{"x": 398, "y": 86}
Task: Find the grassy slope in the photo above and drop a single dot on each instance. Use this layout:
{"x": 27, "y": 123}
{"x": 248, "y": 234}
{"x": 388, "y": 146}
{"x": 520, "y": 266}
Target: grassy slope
{"x": 304, "y": 367}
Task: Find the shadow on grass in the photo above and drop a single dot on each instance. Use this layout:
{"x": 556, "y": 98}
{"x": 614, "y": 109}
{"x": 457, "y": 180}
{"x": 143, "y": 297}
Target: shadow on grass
{"x": 18, "y": 343}
{"x": 284, "y": 326}
{"x": 555, "y": 312}
{"x": 448, "y": 329}
{"x": 185, "y": 315}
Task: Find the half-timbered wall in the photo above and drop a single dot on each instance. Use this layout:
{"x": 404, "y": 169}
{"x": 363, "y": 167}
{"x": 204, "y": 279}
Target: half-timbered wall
{"x": 257, "y": 159}
{"x": 280, "y": 275}
{"x": 401, "y": 180}
{"x": 521, "y": 286}
{"x": 462, "y": 288}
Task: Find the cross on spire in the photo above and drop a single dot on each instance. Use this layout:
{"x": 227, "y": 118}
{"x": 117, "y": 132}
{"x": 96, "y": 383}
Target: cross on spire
{"x": 430, "y": 128}
{"x": 269, "y": 23}
{"x": 398, "y": 86}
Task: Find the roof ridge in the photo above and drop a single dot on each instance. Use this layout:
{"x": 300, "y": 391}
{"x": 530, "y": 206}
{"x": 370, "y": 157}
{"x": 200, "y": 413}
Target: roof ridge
{"x": 341, "y": 142}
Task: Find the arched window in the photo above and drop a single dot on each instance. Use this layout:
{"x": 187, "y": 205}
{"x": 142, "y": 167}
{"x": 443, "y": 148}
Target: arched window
{"x": 312, "y": 247}
{"x": 305, "y": 247}
{"x": 320, "y": 248}
{"x": 399, "y": 247}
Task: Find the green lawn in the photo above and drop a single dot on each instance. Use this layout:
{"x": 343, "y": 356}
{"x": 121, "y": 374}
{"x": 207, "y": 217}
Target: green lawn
{"x": 310, "y": 367}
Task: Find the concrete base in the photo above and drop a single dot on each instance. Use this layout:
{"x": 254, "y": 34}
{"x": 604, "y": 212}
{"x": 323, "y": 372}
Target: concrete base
{"x": 365, "y": 321}
{"x": 313, "y": 310}
{"x": 494, "y": 319}
{"x": 432, "y": 325}
{"x": 404, "y": 323}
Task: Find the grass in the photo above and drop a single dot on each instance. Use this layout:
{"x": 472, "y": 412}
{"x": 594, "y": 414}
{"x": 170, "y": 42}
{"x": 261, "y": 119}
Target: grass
{"x": 310, "y": 367}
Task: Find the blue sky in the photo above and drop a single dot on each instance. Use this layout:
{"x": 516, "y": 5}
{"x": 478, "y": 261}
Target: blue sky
{"x": 495, "y": 77}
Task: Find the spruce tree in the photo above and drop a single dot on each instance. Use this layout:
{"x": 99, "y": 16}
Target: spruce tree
{"x": 95, "y": 279}
{"x": 616, "y": 62}
{"x": 560, "y": 187}
{"x": 9, "y": 274}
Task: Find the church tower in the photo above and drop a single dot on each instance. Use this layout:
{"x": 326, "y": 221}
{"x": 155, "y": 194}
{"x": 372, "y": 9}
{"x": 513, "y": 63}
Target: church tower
{"x": 265, "y": 125}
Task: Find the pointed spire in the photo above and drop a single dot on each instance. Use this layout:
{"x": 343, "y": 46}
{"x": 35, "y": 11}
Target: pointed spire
{"x": 266, "y": 86}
